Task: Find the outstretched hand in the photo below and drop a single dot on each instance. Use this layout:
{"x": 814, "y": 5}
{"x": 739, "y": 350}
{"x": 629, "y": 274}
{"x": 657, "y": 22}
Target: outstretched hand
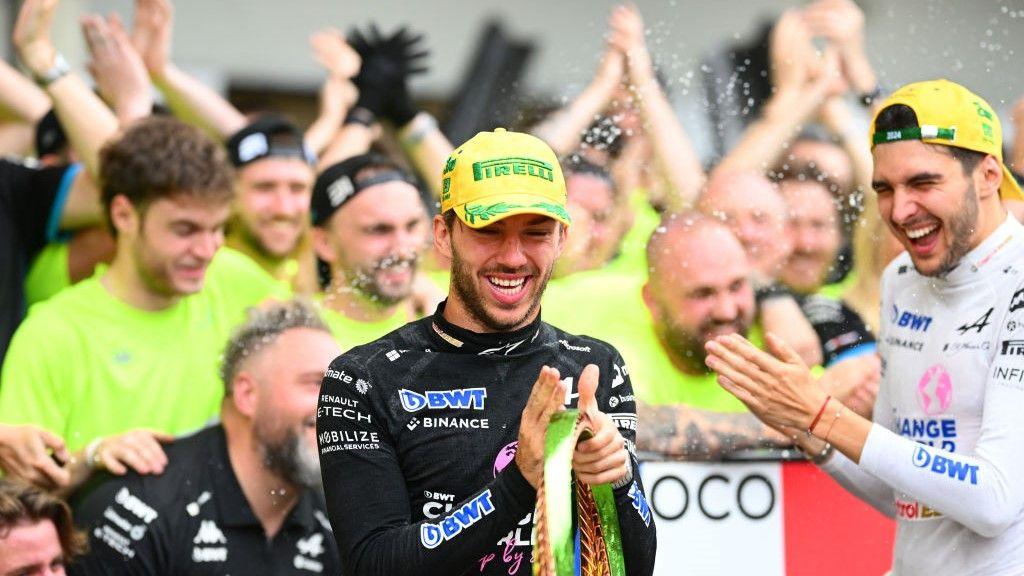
{"x": 778, "y": 387}
{"x": 32, "y": 35}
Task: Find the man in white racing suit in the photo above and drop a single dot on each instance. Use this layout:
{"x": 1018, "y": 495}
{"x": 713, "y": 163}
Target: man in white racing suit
{"x": 945, "y": 454}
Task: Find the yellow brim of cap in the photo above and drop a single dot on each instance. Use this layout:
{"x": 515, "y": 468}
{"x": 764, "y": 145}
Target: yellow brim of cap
{"x": 490, "y": 209}
{"x": 1009, "y": 189}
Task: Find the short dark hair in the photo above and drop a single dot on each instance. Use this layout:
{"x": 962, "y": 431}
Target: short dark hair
{"x": 160, "y": 157}
{"x": 900, "y": 116}
{"x": 21, "y": 502}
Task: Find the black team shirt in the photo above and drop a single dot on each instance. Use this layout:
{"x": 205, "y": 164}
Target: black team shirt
{"x": 194, "y": 520}
{"x": 417, "y": 434}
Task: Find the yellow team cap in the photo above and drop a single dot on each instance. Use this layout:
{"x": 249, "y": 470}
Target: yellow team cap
{"x": 494, "y": 175}
{"x": 950, "y": 115}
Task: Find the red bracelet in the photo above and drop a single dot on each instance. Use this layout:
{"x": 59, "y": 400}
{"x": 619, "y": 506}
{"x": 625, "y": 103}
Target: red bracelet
{"x": 810, "y": 429}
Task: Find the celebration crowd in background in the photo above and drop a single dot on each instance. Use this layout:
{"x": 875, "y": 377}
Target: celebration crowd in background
{"x": 177, "y": 275}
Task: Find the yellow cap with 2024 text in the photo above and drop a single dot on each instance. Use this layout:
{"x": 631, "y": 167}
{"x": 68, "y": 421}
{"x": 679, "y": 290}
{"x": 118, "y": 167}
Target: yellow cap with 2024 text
{"x": 949, "y": 115}
{"x": 494, "y": 175}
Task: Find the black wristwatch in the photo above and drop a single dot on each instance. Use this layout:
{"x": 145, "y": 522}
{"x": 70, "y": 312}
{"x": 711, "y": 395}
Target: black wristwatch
{"x": 868, "y": 98}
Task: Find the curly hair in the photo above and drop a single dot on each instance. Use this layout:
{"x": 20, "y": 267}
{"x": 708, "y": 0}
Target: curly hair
{"x": 262, "y": 328}
{"x": 20, "y": 503}
{"x": 161, "y": 157}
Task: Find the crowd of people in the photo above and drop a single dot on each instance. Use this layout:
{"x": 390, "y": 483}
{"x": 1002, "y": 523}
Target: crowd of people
{"x": 223, "y": 336}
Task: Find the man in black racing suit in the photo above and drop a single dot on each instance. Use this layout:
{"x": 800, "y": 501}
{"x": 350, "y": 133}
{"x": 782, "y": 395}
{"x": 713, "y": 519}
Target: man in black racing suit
{"x": 431, "y": 438}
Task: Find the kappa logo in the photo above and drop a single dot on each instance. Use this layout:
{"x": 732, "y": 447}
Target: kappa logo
{"x": 312, "y": 546}
{"x": 432, "y": 535}
{"x": 209, "y": 533}
{"x": 459, "y": 399}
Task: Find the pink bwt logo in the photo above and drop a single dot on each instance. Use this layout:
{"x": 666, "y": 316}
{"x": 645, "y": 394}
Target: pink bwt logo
{"x": 505, "y": 457}
{"x": 935, "y": 390}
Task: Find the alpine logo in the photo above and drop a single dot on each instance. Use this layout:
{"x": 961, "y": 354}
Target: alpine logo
{"x": 1017, "y": 302}
{"x": 620, "y": 375}
{"x": 977, "y": 325}
{"x": 432, "y": 535}
{"x": 462, "y": 399}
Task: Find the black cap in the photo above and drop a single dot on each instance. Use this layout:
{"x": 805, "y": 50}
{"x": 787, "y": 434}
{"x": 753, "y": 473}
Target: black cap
{"x": 337, "y": 184}
{"x": 268, "y": 135}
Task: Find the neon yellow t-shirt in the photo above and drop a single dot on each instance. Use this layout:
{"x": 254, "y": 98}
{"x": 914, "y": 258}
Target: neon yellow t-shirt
{"x": 632, "y": 257}
{"x": 84, "y": 364}
{"x": 48, "y": 273}
{"x": 349, "y": 333}
{"x": 610, "y": 307}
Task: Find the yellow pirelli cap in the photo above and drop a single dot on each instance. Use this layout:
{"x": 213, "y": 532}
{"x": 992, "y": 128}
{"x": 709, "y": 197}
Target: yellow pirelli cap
{"x": 950, "y": 115}
{"x": 499, "y": 174}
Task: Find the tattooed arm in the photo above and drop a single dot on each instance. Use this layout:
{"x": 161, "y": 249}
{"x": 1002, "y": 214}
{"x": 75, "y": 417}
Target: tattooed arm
{"x": 686, "y": 432}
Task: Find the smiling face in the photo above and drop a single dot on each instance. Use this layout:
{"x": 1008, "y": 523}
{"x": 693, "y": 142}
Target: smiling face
{"x": 373, "y": 242}
{"x": 928, "y": 202}
{"x": 272, "y": 204}
{"x": 814, "y": 234}
{"x": 699, "y": 288}
{"x": 499, "y": 271}
{"x": 171, "y": 241}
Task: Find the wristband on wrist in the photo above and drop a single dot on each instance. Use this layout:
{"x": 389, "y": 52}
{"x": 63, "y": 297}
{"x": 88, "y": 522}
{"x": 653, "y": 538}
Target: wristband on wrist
{"x": 360, "y": 115}
{"x": 868, "y": 98}
{"x": 91, "y": 451}
{"x": 417, "y": 129}
{"x": 58, "y": 70}
{"x": 834, "y": 420}
{"x": 817, "y": 418}
{"x": 625, "y": 480}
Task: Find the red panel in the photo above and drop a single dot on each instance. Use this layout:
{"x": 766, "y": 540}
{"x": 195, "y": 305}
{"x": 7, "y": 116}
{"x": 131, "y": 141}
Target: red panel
{"x": 830, "y": 531}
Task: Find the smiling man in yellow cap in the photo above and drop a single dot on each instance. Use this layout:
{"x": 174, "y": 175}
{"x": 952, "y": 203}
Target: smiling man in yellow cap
{"x": 943, "y": 454}
{"x": 432, "y": 437}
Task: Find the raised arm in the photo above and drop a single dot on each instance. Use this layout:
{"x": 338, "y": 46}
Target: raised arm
{"x": 85, "y": 118}
{"x": 338, "y": 94}
{"x": 672, "y": 150}
{"x": 685, "y": 432}
{"x": 802, "y": 80}
{"x": 563, "y": 129}
{"x": 22, "y": 105}
{"x": 120, "y": 75}
{"x": 188, "y": 98}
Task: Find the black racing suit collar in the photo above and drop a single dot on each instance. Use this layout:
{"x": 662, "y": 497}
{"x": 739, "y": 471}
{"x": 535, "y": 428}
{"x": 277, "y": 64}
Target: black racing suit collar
{"x": 451, "y": 338}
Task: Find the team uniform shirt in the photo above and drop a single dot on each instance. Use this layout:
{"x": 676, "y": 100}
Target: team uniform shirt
{"x": 31, "y": 203}
{"x": 194, "y": 520}
{"x": 841, "y": 331}
{"x": 418, "y": 433}
{"x": 84, "y": 364}
{"x": 349, "y": 333}
{"x": 48, "y": 274}
{"x": 946, "y": 452}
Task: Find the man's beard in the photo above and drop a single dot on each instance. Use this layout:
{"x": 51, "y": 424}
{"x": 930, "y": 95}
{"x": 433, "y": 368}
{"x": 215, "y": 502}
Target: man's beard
{"x": 466, "y": 289}
{"x": 689, "y": 348}
{"x": 252, "y": 239}
{"x": 289, "y": 457}
{"x": 962, "y": 225}
{"x": 364, "y": 279}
